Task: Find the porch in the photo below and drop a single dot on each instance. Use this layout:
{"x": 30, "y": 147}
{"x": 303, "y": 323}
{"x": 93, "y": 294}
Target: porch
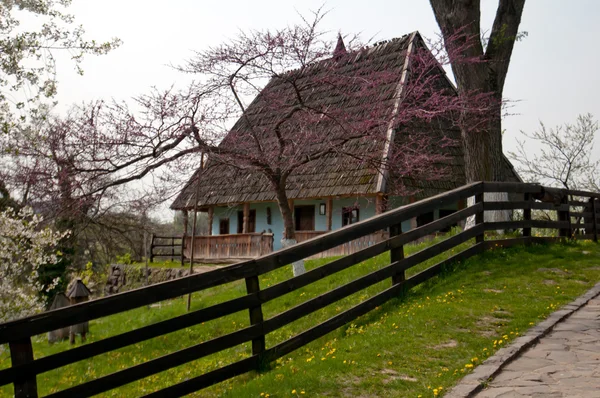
{"x": 227, "y": 247}
{"x": 237, "y": 247}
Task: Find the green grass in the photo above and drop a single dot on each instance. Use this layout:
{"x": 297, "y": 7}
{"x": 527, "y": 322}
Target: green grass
{"x": 405, "y": 348}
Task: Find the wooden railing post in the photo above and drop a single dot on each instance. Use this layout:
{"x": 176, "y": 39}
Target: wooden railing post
{"x": 479, "y": 218}
{"x": 527, "y": 215}
{"x": 595, "y": 219}
{"x": 152, "y": 248}
{"x": 564, "y": 216}
{"x": 182, "y": 249}
{"x": 21, "y": 352}
{"x": 256, "y": 315}
{"x": 172, "y": 248}
{"x": 397, "y": 254}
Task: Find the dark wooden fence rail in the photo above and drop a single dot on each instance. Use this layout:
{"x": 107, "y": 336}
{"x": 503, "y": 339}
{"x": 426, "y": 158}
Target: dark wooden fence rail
{"x": 168, "y": 246}
{"x": 574, "y": 214}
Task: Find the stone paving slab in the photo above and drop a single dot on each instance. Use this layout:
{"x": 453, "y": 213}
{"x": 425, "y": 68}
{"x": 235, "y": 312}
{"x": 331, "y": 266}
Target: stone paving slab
{"x": 559, "y": 357}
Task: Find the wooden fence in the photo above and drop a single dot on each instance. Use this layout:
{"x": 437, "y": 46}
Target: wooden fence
{"x": 576, "y": 213}
{"x": 165, "y": 246}
{"x": 345, "y": 248}
{"x": 227, "y": 247}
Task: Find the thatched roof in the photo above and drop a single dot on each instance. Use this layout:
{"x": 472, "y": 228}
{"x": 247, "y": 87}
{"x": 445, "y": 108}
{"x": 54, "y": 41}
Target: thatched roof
{"x": 220, "y": 184}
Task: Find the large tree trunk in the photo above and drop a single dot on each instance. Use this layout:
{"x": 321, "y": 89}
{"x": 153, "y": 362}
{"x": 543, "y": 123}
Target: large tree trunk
{"x": 481, "y": 71}
{"x": 483, "y": 147}
{"x": 289, "y": 230}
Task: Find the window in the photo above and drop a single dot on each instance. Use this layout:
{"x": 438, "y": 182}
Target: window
{"x": 223, "y": 226}
{"x": 268, "y": 216}
{"x": 322, "y": 209}
{"x": 350, "y": 215}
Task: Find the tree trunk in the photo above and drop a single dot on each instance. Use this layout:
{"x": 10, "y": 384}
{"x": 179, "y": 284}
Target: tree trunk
{"x": 480, "y": 71}
{"x": 289, "y": 230}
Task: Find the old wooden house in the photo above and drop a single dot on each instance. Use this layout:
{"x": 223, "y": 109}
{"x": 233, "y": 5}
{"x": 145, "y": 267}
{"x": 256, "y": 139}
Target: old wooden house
{"x": 327, "y": 194}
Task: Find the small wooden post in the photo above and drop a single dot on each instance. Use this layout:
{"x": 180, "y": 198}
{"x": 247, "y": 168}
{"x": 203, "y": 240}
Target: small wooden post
{"x": 527, "y": 215}
{"x": 186, "y": 219}
{"x": 172, "y": 248}
{"x": 21, "y": 352}
{"x": 564, "y": 216}
{"x": 329, "y": 211}
{"x": 211, "y": 213}
{"x": 256, "y": 315}
{"x": 397, "y": 254}
{"x": 595, "y": 219}
{"x": 152, "y": 248}
{"x": 380, "y": 204}
{"x": 479, "y": 218}
{"x": 246, "y": 220}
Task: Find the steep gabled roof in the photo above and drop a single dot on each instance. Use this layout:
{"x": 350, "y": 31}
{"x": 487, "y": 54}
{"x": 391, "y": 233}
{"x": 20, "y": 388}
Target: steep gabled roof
{"x": 333, "y": 175}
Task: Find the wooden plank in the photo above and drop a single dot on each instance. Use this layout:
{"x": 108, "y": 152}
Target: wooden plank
{"x": 21, "y": 353}
{"x": 367, "y": 280}
{"x": 256, "y": 315}
{"x": 145, "y": 369}
{"x": 89, "y": 350}
{"x": 397, "y": 254}
{"x": 527, "y": 215}
{"x": 518, "y": 205}
{"x": 246, "y": 219}
{"x": 479, "y": 219}
{"x": 208, "y": 379}
{"x": 576, "y": 192}
{"x": 511, "y": 187}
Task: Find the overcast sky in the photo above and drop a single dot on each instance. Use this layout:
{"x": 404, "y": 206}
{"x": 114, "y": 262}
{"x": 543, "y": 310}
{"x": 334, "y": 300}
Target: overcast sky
{"x": 552, "y": 77}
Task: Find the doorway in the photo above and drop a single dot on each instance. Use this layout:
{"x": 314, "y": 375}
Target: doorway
{"x": 304, "y": 217}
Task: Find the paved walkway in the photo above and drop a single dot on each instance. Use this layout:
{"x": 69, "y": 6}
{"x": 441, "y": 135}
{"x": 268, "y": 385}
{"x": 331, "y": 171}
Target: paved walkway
{"x": 558, "y": 358}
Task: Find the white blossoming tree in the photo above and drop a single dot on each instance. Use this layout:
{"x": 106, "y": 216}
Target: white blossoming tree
{"x": 25, "y": 247}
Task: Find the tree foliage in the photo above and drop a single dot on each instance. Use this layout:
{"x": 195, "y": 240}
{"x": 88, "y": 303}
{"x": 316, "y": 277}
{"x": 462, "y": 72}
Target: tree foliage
{"x": 565, "y": 158}
{"x": 31, "y": 33}
{"x": 26, "y": 247}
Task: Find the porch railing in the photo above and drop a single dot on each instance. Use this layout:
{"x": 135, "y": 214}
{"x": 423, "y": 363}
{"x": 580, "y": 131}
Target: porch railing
{"x": 226, "y": 247}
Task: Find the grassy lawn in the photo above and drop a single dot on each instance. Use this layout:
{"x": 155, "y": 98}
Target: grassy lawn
{"x": 419, "y": 345}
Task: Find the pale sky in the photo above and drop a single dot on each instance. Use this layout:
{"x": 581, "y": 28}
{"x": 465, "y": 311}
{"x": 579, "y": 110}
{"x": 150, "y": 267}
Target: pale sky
{"x": 552, "y": 77}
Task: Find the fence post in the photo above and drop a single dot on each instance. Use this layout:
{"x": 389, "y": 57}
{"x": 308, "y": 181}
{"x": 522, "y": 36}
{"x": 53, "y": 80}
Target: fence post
{"x": 479, "y": 218}
{"x": 595, "y": 219}
{"x": 397, "y": 254}
{"x": 21, "y": 352}
{"x": 564, "y": 216}
{"x": 152, "y": 248}
{"x": 527, "y": 215}
{"x": 256, "y": 315}
{"x": 182, "y": 249}
{"x": 172, "y": 248}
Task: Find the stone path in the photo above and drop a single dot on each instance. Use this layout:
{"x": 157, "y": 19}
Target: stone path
{"x": 558, "y": 358}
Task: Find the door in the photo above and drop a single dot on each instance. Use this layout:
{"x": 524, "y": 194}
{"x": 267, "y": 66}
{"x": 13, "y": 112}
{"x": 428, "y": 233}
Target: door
{"x": 251, "y": 221}
{"x": 304, "y": 217}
